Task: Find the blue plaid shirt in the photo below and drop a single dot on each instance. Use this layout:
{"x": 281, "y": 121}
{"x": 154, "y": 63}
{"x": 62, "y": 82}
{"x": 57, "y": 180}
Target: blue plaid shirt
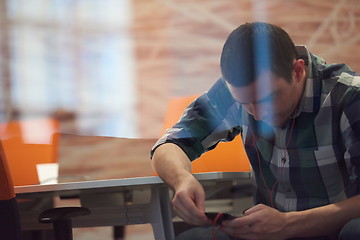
{"x": 322, "y": 159}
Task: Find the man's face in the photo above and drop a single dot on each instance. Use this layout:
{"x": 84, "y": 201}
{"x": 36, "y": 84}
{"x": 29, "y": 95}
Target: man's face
{"x": 269, "y": 98}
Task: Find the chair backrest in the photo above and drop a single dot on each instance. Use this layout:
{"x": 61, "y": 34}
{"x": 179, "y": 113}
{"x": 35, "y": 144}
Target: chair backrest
{"x": 27, "y": 143}
{"x": 226, "y": 157}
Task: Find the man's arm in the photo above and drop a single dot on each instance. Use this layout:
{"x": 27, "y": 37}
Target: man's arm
{"x": 211, "y": 118}
{"x": 171, "y": 163}
{"x": 263, "y": 222}
{"x": 174, "y": 168}
{"x": 326, "y": 220}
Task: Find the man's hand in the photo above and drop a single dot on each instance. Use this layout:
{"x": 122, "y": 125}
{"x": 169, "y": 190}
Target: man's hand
{"x": 189, "y": 202}
{"x": 259, "y": 222}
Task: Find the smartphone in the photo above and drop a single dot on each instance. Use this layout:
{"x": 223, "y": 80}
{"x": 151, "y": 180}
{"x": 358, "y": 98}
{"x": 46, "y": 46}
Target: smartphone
{"x": 224, "y": 216}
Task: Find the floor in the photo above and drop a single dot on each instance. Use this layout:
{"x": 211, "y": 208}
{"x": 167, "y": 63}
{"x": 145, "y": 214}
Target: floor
{"x": 134, "y": 232}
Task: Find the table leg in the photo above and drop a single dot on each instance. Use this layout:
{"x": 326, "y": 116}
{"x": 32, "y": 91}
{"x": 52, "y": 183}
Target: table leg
{"x": 160, "y": 214}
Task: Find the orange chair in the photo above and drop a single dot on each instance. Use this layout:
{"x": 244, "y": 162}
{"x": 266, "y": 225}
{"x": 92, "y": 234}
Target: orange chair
{"x": 27, "y": 143}
{"x": 226, "y": 157}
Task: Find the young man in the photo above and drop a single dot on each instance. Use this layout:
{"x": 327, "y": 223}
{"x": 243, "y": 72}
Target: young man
{"x": 299, "y": 120}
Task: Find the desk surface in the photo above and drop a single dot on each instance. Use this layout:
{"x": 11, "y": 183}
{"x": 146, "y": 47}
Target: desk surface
{"x": 137, "y": 181}
{"x": 88, "y": 162}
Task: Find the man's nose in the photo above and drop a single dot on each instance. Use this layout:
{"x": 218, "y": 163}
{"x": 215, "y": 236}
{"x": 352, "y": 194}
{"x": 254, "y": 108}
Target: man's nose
{"x": 257, "y": 111}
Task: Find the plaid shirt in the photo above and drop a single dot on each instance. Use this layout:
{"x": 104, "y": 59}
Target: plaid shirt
{"x": 322, "y": 156}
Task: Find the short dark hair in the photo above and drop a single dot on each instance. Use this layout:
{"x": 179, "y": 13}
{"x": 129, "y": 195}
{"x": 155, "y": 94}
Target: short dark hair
{"x": 256, "y": 47}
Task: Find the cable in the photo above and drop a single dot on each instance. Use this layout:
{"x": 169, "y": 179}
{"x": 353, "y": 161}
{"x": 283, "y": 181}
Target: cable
{"x": 213, "y": 226}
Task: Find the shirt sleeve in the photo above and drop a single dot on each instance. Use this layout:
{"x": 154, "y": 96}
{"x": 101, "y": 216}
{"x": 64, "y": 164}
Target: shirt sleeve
{"x": 350, "y": 127}
{"x": 211, "y": 118}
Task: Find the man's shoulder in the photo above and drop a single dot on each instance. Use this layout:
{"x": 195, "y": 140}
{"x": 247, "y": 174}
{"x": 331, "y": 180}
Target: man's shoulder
{"x": 219, "y": 99}
{"x": 350, "y": 79}
{"x": 328, "y": 71}
{"x": 219, "y": 93}
{"x": 330, "y": 74}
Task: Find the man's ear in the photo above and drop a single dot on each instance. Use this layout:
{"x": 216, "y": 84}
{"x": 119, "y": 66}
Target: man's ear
{"x": 299, "y": 70}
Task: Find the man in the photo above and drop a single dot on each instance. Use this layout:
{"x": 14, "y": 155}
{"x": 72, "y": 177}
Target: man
{"x": 299, "y": 120}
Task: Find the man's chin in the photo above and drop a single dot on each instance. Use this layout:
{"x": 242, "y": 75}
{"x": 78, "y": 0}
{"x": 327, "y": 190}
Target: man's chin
{"x": 277, "y": 122}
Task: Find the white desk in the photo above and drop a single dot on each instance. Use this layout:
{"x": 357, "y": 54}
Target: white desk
{"x": 116, "y": 202}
